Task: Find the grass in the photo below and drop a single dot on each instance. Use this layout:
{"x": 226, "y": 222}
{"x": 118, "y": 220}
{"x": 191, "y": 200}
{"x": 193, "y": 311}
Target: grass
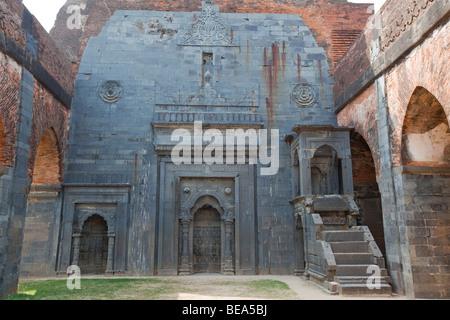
{"x": 272, "y": 289}
{"x": 267, "y": 285}
{"x": 93, "y": 289}
{"x": 147, "y": 289}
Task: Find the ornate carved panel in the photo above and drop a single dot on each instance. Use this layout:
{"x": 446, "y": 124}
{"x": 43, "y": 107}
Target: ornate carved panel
{"x": 208, "y": 30}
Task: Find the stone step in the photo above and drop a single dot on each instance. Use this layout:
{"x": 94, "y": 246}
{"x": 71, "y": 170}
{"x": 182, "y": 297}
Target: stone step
{"x": 354, "y": 258}
{"x": 362, "y": 280}
{"x": 353, "y": 270}
{"x": 343, "y": 235}
{"x": 358, "y": 289}
{"x": 349, "y": 246}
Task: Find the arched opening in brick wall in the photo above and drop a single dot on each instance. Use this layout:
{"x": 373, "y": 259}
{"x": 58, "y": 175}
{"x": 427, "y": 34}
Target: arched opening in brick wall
{"x": 426, "y": 134}
{"x": 367, "y": 193}
{"x": 2, "y": 143}
{"x": 47, "y": 162}
{"x": 38, "y": 234}
{"x": 426, "y": 193}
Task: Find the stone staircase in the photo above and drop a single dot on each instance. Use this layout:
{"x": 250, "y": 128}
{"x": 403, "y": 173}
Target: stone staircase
{"x": 340, "y": 256}
{"x": 356, "y": 263}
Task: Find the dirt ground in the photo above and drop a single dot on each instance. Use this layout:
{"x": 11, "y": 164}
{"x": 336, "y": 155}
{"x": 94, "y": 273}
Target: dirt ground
{"x": 209, "y": 288}
{"x": 221, "y": 287}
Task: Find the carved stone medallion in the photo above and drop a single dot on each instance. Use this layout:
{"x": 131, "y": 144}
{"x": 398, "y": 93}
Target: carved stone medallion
{"x": 303, "y": 95}
{"x": 110, "y": 91}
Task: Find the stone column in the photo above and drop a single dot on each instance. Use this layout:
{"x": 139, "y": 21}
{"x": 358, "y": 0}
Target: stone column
{"x": 110, "y": 259}
{"x": 347, "y": 176}
{"x": 228, "y": 265}
{"x": 76, "y": 248}
{"x": 185, "y": 268}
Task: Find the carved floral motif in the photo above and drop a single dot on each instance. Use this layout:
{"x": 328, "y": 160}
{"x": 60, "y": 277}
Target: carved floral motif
{"x": 208, "y": 30}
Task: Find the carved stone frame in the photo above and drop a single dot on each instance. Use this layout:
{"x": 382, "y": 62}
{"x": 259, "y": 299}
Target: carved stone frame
{"x": 186, "y": 212}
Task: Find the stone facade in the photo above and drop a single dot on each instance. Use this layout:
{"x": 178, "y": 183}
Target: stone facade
{"x": 171, "y": 69}
{"x": 119, "y": 155}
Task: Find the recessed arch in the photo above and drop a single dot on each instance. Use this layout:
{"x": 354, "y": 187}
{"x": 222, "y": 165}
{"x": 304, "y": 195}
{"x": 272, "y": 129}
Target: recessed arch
{"x": 207, "y": 234}
{"x": 94, "y": 245}
{"x": 425, "y": 131}
{"x": 47, "y": 164}
{"x": 207, "y": 200}
{"x": 207, "y": 240}
{"x": 425, "y": 179}
{"x": 326, "y": 171}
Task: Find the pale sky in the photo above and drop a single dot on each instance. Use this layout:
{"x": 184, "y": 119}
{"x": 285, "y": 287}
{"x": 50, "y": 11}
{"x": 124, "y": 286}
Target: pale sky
{"x": 45, "y": 10}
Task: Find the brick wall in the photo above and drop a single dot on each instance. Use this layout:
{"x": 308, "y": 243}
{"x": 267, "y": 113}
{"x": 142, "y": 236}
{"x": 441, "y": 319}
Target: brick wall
{"x": 36, "y": 85}
{"x": 425, "y": 68}
{"x": 334, "y": 23}
{"x": 25, "y": 43}
{"x": 46, "y": 104}
{"x": 397, "y": 28}
{"x": 20, "y": 26}
{"x": 427, "y": 203}
{"x": 10, "y": 76}
{"x": 378, "y": 88}
{"x": 361, "y": 115}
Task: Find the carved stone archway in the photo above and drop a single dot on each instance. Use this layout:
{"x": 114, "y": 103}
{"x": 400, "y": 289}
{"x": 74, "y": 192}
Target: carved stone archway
{"x": 186, "y": 214}
{"x": 110, "y": 235}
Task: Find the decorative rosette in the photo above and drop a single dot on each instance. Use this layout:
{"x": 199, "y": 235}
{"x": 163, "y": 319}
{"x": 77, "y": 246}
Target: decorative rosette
{"x": 303, "y": 95}
{"x": 110, "y": 91}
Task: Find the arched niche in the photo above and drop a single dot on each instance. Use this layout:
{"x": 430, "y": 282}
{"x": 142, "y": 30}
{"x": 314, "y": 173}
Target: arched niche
{"x": 47, "y": 164}
{"x": 326, "y": 171}
{"x": 425, "y": 132}
{"x": 93, "y": 254}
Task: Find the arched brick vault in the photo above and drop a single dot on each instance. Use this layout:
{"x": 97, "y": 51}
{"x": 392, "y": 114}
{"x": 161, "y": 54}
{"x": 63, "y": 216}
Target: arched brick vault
{"x": 47, "y": 168}
{"x": 48, "y": 113}
{"x": 428, "y": 67}
{"x": 10, "y": 75}
{"x": 361, "y": 115}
